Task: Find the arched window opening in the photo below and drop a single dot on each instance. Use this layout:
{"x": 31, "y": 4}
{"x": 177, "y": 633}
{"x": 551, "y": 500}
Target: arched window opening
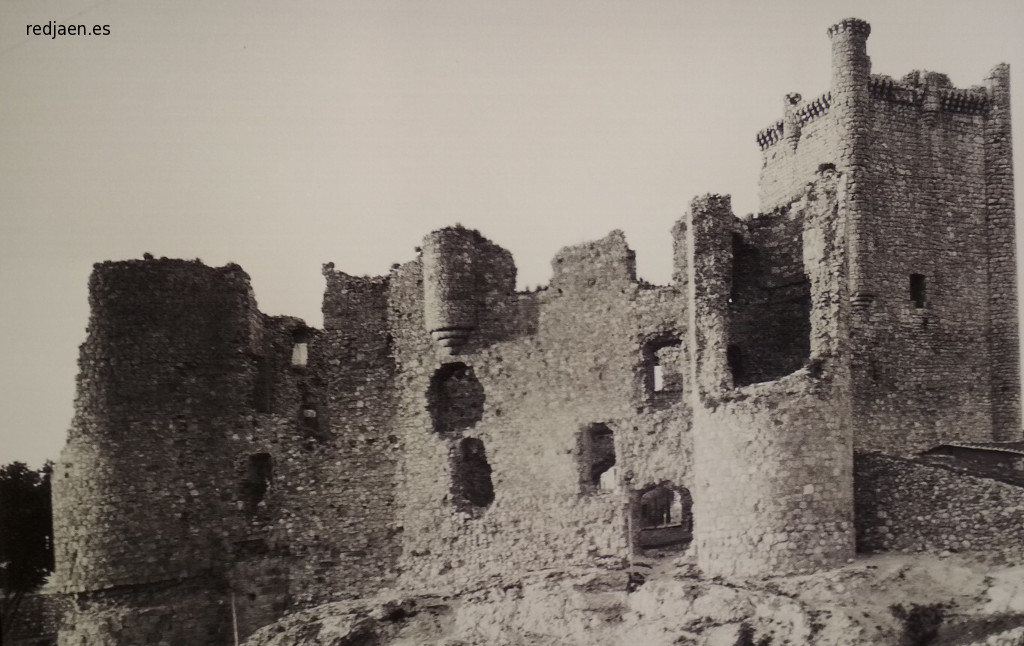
{"x": 662, "y": 518}
{"x": 258, "y": 475}
{"x": 472, "y": 474}
{"x": 455, "y": 398}
{"x": 662, "y": 374}
{"x": 597, "y": 459}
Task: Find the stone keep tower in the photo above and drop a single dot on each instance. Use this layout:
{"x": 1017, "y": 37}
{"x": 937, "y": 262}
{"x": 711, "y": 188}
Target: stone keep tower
{"x": 887, "y": 222}
{"x": 926, "y": 189}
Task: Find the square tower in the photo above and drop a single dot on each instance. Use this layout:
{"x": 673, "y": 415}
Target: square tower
{"x": 927, "y": 196}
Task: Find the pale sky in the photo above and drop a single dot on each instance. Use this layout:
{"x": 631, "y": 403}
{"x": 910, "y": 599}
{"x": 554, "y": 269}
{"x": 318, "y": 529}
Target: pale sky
{"x": 282, "y": 135}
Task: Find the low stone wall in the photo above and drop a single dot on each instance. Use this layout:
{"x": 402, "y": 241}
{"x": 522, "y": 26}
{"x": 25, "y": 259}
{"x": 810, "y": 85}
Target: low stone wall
{"x": 38, "y": 620}
{"x": 906, "y": 505}
{"x": 181, "y": 614}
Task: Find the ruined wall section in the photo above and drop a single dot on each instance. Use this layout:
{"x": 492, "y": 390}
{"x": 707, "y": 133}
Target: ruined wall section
{"x": 163, "y": 377}
{"x": 791, "y": 161}
{"x": 773, "y": 461}
{"x": 567, "y": 359}
{"x": 275, "y": 474}
{"x": 468, "y": 289}
{"x": 349, "y": 529}
{"x": 905, "y": 505}
{"x": 146, "y": 493}
{"x": 922, "y": 365}
{"x": 769, "y": 299}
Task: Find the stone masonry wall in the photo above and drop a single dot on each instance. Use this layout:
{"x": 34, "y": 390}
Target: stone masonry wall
{"x": 192, "y": 612}
{"x": 568, "y": 358}
{"x": 773, "y": 463}
{"x": 1003, "y": 333}
{"x": 137, "y": 496}
{"x": 922, "y": 373}
{"x": 787, "y": 168}
{"x": 906, "y": 505}
{"x": 928, "y": 194}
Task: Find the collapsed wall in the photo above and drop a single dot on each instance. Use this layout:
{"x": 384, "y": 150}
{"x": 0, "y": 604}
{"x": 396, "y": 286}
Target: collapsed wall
{"x": 773, "y": 467}
{"x": 524, "y": 448}
{"x": 137, "y": 500}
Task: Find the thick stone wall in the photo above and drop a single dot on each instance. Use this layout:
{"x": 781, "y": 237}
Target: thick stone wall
{"x": 138, "y": 492}
{"x": 922, "y": 369}
{"x": 906, "y": 505}
{"x": 194, "y": 611}
{"x": 928, "y": 198}
{"x": 567, "y": 358}
{"x": 786, "y": 168}
{"x": 1003, "y": 333}
{"x": 773, "y": 461}
{"x": 353, "y": 505}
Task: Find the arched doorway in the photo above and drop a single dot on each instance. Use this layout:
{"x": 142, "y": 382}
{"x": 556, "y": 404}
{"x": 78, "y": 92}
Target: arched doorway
{"x": 661, "y": 517}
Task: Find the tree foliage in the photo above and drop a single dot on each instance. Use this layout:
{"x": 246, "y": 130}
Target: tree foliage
{"x": 26, "y": 534}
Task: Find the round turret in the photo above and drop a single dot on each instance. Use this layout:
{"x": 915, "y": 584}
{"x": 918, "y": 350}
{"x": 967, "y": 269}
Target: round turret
{"x": 163, "y": 376}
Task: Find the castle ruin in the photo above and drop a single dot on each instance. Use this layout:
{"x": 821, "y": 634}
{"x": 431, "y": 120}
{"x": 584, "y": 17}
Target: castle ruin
{"x": 444, "y": 430}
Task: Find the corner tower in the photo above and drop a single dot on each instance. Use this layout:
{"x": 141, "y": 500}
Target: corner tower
{"x": 850, "y": 104}
{"x": 926, "y": 195}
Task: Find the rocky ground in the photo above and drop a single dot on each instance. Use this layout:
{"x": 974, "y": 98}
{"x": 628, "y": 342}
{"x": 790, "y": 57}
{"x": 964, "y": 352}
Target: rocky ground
{"x": 660, "y": 601}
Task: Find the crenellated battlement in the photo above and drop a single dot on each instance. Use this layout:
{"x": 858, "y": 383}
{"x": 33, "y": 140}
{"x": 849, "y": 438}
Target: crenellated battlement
{"x": 806, "y": 111}
{"x": 916, "y": 86}
{"x": 851, "y": 26}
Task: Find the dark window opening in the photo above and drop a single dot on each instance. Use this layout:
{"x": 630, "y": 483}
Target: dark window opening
{"x": 597, "y": 459}
{"x": 770, "y": 303}
{"x": 734, "y": 357}
{"x": 455, "y": 398}
{"x": 662, "y": 377}
{"x": 258, "y": 474}
{"x": 917, "y": 290}
{"x": 472, "y": 477}
{"x": 663, "y": 518}
{"x": 311, "y": 418}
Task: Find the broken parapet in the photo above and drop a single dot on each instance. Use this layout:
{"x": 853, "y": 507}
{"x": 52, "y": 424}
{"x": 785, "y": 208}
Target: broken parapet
{"x": 462, "y": 272}
{"x": 773, "y": 460}
{"x": 602, "y": 263}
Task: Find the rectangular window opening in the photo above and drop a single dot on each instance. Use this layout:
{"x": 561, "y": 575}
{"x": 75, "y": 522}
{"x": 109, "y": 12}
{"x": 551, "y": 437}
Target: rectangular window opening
{"x": 918, "y": 293}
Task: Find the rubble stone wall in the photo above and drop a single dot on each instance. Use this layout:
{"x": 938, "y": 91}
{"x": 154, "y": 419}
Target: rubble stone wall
{"x": 141, "y": 491}
{"x": 906, "y": 505}
{"x": 773, "y": 460}
{"x": 927, "y": 194}
{"x": 568, "y": 358}
{"x": 192, "y": 611}
{"x": 923, "y": 370}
